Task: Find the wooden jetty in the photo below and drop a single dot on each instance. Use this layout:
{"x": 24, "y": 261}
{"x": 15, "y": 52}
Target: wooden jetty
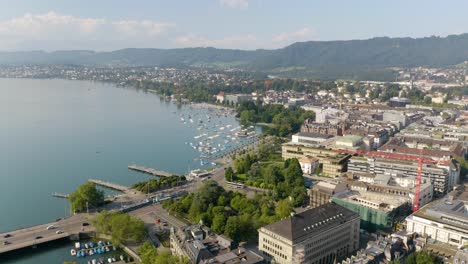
{"x": 110, "y": 185}
{"x": 150, "y": 171}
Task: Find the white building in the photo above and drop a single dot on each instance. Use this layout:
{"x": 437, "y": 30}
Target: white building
{"x": 444, "y": 220}
{"x": 308, "y": 164}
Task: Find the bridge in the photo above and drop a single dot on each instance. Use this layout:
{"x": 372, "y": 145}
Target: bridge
{"x": 110, "y": 185}
{"x": 31, "y": 236}
{"x": 150, "y": 171}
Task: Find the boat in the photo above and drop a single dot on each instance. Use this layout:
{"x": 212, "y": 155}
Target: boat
{"x": 73, "y": 252}
{"x": 93, "y": 261}
{"x": 77, "y": 245}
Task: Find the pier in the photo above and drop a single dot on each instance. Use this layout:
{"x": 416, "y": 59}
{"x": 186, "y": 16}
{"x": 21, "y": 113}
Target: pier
{"x": 110, "y": 185}
{"x": 60, "y": 195}
{"x": 150, "y": 171}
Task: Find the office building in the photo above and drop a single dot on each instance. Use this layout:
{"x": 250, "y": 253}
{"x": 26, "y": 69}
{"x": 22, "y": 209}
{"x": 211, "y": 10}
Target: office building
{"x": 325, "y": 234}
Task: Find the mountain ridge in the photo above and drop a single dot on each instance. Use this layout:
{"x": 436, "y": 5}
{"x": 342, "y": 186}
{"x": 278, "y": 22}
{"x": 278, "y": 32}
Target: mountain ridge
{"x": 306, "y": 58}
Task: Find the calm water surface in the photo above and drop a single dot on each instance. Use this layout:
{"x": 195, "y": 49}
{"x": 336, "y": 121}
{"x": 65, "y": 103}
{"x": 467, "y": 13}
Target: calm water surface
{"x": 56, "y": 134}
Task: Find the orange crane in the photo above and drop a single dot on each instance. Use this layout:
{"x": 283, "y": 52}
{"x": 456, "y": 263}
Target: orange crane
{"x": 418, "y": 183}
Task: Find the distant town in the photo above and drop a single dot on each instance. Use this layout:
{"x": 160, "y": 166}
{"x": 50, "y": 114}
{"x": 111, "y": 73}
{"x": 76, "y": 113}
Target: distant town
{"x": 345, "y": 172}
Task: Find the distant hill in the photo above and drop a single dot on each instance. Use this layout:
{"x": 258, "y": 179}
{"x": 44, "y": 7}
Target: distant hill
{"x": 321, "y": 59}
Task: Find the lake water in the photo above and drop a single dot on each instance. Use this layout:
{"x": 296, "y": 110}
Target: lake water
{"x": 56, "y": 134}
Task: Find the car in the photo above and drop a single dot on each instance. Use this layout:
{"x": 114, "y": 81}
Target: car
{"x": 7, "y": 236}
{"x": 6, "y": 243}
{"x": 59, "y": 232}
{"x": 38, "y": 237}
{"x": 50, "y": 227}
{"x": 85, "y": 224}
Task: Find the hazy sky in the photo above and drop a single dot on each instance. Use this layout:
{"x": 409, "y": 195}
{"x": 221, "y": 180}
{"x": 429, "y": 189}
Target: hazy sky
{"x": 243, "y": 24}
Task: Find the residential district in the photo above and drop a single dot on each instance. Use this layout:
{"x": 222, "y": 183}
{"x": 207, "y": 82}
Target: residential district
{"x": 384, "y": 165}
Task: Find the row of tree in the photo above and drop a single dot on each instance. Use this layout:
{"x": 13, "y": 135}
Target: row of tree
{"x": 284, "y": 179}
{"x": 153, "y": 185}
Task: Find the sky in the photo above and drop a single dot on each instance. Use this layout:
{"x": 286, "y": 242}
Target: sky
{"x": 105, "y": 25}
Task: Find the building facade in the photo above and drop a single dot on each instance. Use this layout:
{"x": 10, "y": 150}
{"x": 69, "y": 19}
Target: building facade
{"x": 326, "y": 234}
{"x": 444, "y": 220}
{"x": 442, "y": 176}
{"x": 332, "y": 163}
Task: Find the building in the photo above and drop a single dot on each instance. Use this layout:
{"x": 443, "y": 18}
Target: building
{"x": 377, "y": 211}
{"x": 310, "y": 138}
{"x": 308, "y": 164}
{"x": 331, "y": 163}
{"x": 444, "y": 220}
{"x": 322, "y": 192}
{"x": 396, "y": 117}
{"x": 349, "y": 142}
{"x": 443, "y": 176}
{"x": 324, "y": 234}
{"x": 237, "y": 98}
{"x": 220, "y": 97}
{"x": 399, "y": 102}
{"x": 203, "y": 246}
{"x": 309, "y": 126}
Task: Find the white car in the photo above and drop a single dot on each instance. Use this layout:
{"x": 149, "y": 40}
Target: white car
{"x": 59, "y": 232}
{"x": 50, "y": 227}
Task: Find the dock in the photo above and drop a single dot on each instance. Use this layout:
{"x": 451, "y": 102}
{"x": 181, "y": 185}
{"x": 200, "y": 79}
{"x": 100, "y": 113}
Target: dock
{"x": 150, "y": 171}
{"x": 110, "y": 185}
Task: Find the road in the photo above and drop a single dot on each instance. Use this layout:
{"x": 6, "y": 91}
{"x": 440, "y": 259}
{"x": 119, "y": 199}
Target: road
{"x": 27, "y": 237}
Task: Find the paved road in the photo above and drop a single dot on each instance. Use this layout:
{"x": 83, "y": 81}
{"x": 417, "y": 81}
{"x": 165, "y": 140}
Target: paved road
{"x": 27, "y": 237}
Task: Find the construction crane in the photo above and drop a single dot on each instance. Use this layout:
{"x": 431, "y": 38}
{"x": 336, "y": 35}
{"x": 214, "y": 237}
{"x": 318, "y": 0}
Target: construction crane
{"x": 419, "y": 158}
{"x": 267, "y": 85}
{"x": 418, "y": 183}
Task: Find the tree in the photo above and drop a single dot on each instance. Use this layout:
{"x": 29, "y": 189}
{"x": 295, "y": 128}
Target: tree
{"x": 218, "y": 223}
{"x": 229, "y": 174}
{"x": 283, "y": 208}
{"x": 120, "y": 226}
{"x": 427, "y": 100}
{"x": 150, "y": 255}
{"x": 87, "y": 195}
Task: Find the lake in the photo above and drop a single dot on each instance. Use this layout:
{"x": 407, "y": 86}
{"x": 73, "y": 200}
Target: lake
{"x": 56, "y": 134}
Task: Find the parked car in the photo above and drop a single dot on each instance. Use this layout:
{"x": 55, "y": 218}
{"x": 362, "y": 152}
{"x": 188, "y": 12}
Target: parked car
{"x": 7, "y": 235}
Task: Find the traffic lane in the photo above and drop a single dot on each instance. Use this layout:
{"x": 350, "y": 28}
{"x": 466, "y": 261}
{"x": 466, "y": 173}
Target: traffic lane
{"x": 65, "y": 226}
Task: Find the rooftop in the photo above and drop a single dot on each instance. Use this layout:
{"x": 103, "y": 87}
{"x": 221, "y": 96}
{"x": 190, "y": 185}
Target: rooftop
{"x": 312, "y": 221}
